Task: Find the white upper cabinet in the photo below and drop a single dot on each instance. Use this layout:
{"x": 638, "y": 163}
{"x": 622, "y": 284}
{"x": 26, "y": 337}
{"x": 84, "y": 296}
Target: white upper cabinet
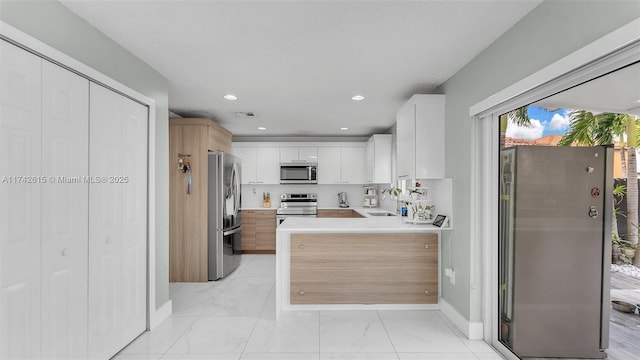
{"x": 420, "y": 138}
{"x": 298, "y": 153}
{"x": 308, "y": 154}
{"x": 329, "y": 165}
{"x": 267, "y": 166}
{"x": 352, "y": 165}
{"x": 260, "y": 165}
{"x": 341, "y": 165}
{"x": 378, "y": 165}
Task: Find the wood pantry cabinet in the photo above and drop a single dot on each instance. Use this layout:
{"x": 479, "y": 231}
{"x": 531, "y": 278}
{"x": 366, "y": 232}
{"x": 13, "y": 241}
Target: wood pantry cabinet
{"x": 188, "y": 247}
{"x": 338, "y": 213}
{"x": 258, "y": 231}
{"x": 356, "y": 268}
{"x": 72, "y": 252}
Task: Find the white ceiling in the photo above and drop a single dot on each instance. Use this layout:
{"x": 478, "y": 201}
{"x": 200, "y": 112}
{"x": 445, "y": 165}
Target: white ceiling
{"x": 296, "y": 64}
{"x": 616, "y": 92}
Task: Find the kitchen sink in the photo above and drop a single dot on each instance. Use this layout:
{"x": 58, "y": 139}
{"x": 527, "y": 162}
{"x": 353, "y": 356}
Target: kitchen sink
{"x": 380, "y": 214}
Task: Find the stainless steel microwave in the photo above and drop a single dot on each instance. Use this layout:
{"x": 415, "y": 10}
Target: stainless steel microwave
{"x": 298, "y": 173}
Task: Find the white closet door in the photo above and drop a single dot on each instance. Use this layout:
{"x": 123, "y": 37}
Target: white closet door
{"x": 65, "y": 148}
{"x": 134, "y": 220}
{"x": 105, "y": 222}
{"x": 20, "y": 155}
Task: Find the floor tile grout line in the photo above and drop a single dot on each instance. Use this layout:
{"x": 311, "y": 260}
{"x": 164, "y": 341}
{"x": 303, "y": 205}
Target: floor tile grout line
{"x": 387, "y": 332}
{"x": 179, "y": 337}
{"x": 255, "y": 324}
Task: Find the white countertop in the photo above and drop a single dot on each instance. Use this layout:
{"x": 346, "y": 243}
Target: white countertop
{"x": 366, "y": 224}
{"x": 258, "y": 208}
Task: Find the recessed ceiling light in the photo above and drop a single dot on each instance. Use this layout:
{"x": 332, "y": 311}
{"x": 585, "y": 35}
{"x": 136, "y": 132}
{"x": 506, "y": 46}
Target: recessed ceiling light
{"x": 262, "y": 128}
{"x": 344, "y": 128}
{"x": 357, "y": 97}
{"x": 231, "y": 97}
{"x": 637, "y": 101}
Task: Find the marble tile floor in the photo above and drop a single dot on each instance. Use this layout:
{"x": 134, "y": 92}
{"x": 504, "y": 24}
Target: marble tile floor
{"x": 234, "y": 319}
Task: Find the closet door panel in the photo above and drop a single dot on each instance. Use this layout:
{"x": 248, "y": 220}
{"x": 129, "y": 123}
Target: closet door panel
{"x": 134, "y": 220}
{"x": 105, "y": 222}
{"x": 65, "y": 131}
{"x": 20, "y": 199}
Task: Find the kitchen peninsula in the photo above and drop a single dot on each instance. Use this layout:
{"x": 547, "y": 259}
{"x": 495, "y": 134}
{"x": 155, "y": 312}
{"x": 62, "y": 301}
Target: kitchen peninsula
{"x": 373, "y": 262}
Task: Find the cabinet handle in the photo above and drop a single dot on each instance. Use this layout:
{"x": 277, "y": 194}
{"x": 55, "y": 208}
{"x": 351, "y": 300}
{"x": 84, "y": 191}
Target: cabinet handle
{"x": 426, "y": 246}
{"x": 251, "y": 182}
{"x": 65, "y": 252}
{"x": 301, "y": 246}
{"x": 108, "y": 240}
{"x": 427, "y": 292}
{"x": 301, "y": 292}
{"x": 259, "y": 182}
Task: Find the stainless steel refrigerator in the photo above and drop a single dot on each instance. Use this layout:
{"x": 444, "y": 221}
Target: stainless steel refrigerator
{"x": 224, "y": 214}
{"x": 555, "y": 250}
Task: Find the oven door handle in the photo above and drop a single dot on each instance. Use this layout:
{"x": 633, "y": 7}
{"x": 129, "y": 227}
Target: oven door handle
{"x": 232, "y": 231}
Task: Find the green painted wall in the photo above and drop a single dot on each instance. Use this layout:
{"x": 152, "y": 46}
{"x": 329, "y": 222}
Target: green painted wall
{"x": 551, "y": 31}
{"x": 51, "y": 23}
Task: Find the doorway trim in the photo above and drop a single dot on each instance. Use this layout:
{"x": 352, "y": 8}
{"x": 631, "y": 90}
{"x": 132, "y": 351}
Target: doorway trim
{"x": 608, "y": 53}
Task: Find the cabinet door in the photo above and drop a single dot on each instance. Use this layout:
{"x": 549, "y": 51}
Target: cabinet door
{"x": 266, "y": 230}
{"x": 248, "y": 157}
{"x": 365, "y": 270}
{"x": 370, "y": 162}
{"x": 381, "y": 158}
{"x": 288, "y": 153}
{"x": 268, "y": 165}
{"x": 308, "y": 154}
{"x": 134, "y": 220}
{"x": 105, "y": 223}
{"x": 429, "y": 151}
{"x": 65, "y": 133}
{"x": 248, "y": 230}
{"x": 405, "y": 143}
{"x": 353, "y": 160}
{"x": 20, "y": 213}
{"x": 329, "y": 165}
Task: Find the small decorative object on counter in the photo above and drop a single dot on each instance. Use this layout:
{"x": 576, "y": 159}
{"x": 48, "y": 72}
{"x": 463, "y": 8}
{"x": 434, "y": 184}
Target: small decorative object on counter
{"x": 403, "y": 211}
{"x": 370, "y": 198}
{"x": 395, "y": 192}
{"x": 266, "y": 200}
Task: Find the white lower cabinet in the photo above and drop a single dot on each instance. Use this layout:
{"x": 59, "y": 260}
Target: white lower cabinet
{"x": 72, "y": 253}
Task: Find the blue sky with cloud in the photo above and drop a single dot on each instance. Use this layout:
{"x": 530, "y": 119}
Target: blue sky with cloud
{"x": 543, "y": 123}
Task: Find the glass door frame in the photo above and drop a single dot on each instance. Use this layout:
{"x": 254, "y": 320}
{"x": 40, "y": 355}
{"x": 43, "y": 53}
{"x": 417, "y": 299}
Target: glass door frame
{"x": 609, "y": 53}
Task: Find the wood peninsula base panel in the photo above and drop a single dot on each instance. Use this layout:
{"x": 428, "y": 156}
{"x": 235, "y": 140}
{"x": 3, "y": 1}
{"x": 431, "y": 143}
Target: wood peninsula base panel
{"x": 364, "y": 268}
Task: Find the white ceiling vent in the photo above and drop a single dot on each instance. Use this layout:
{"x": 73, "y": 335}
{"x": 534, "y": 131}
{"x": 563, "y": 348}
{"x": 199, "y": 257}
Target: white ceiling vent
{"x": 244, "y": 115}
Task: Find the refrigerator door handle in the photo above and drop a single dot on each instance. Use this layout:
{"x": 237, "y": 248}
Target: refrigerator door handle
{"x": 232, "y": 231}
{"x": 235, "y": 189}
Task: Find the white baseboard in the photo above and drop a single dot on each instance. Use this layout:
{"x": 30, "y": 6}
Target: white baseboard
{"x": 472, "y": 330}
{"x": 161, "y": 314}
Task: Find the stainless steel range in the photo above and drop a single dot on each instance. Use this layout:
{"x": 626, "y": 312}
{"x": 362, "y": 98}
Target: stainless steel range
{"x": 297, "y": 205}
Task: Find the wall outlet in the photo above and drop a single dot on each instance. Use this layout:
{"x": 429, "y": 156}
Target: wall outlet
{"x": 452, "y": 278}
{"x": 447, "y": 272}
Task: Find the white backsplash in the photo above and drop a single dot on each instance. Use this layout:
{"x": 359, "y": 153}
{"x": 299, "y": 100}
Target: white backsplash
{"x": 327, "y": 194}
